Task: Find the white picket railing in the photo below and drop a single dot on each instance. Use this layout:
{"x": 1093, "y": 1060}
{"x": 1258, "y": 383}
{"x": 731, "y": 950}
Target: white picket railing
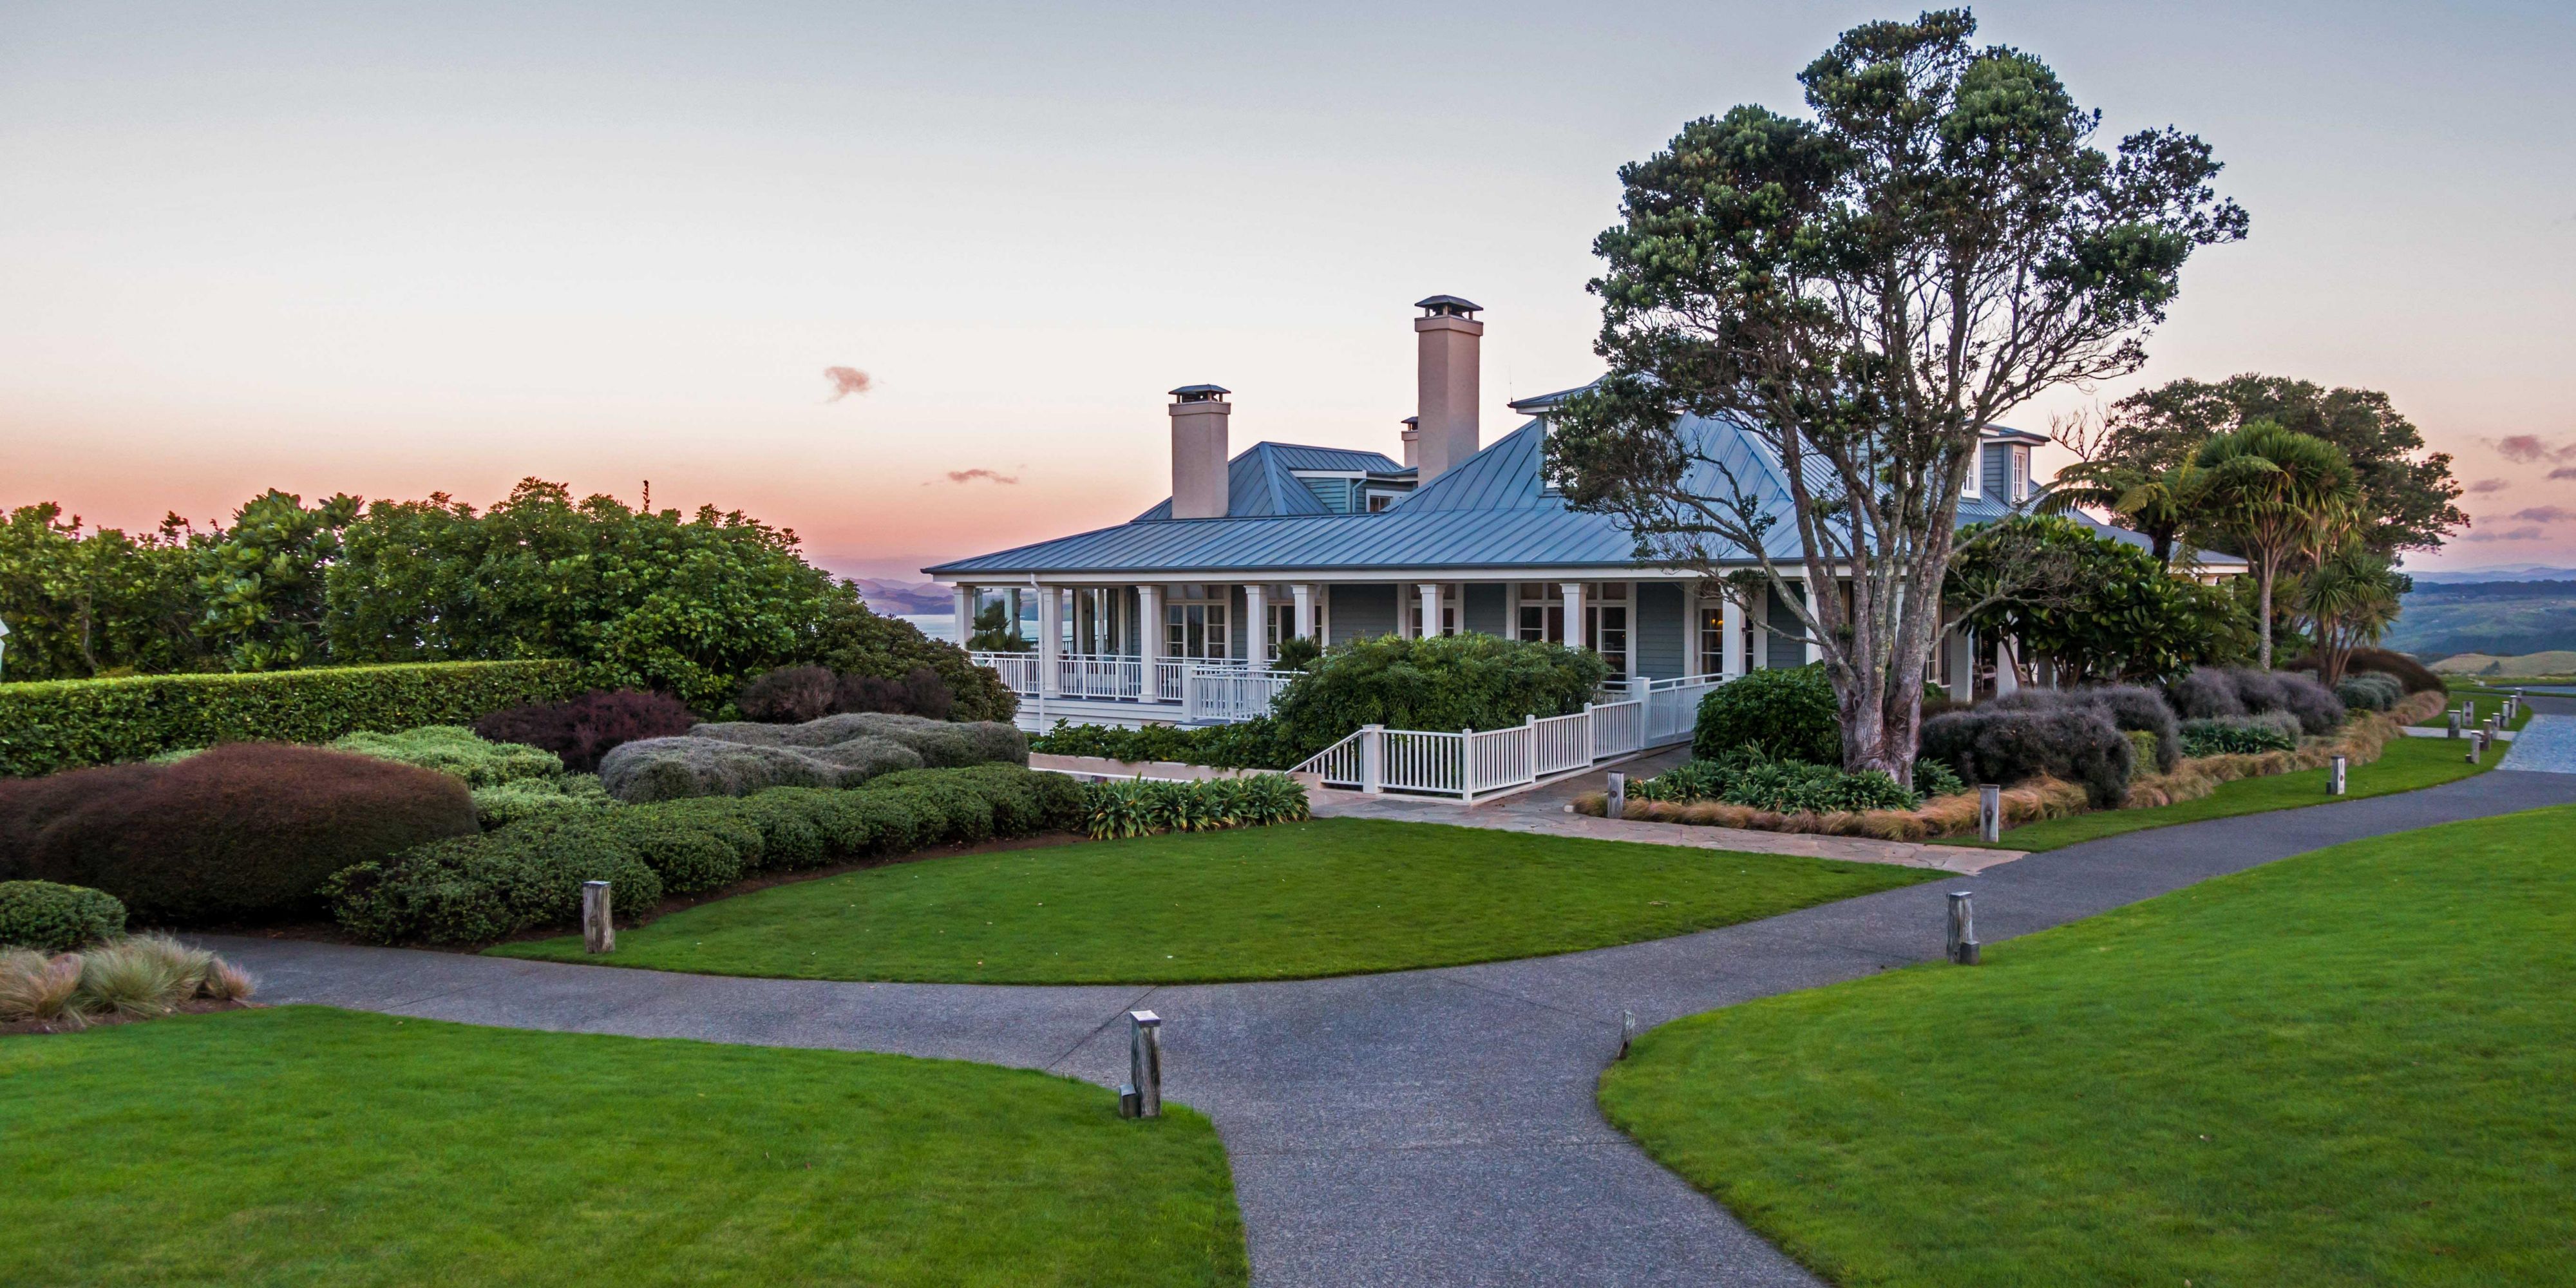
{"x": 1473, "y": 763}
{"x": 1203, "y": 690}
{"x": 1228, "y": 694}
{"x": 1100, "y": 677}
{"x": 1019, "y": 671}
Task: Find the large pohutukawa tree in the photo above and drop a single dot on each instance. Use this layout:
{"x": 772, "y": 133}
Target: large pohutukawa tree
{"x": 1868, "y": 291}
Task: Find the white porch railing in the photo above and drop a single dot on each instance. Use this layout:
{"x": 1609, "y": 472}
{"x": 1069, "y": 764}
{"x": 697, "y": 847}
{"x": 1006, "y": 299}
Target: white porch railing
{"x": 1202, "y": 690}
{"x": 1229, "y": 694}
{"x": 1019, "y": 671}
{"x": 1473, "y": 763}
{"x": 1100, "y": 677}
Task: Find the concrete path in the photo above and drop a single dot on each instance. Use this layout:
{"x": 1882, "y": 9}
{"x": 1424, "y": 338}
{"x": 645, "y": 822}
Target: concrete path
{"x": 1543, "y": 810}
{"x": 2547, "y": 744}
{"x": 1428, "y": 1127}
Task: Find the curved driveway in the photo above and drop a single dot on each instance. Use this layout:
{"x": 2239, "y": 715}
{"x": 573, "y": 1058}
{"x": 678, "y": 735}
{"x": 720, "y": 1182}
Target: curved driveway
{"x": 1425, "y": 1127}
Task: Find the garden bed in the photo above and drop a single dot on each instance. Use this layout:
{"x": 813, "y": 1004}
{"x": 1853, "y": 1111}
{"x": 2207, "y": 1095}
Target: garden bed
{"x": 2360, "y": 741}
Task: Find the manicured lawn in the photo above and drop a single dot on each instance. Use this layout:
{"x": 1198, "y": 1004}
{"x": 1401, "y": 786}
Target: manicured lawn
{"x": 2484, "y": 698}
{"x": 2407, "y": 764}
{"x": 301, "y": 1145}
{"x": 2353, "y": 1067}
{"x": 1326, "y": 897}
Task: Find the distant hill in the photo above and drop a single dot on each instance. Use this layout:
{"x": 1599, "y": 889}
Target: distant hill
{"x": 2510, "y": 572}
{"x": 905, "y": 596}
{"x": 2496, "y": 618}
{"x": 2554, "y": 662}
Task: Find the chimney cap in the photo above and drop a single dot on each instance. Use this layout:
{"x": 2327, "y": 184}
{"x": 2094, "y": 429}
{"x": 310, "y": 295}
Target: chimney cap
{"x": 1447, "y": 306}
{"x": 1199, "y": 393}
{"x": 1413, "y": 422}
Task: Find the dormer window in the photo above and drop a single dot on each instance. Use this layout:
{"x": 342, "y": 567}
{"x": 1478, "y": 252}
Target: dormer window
{"x": 1378, "y": 502}
{"x": 2020, "y": 473}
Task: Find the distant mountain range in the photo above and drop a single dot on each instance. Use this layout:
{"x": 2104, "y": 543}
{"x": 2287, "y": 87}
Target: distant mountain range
{"x": 905, "y": 596}
{"x": 2508, "y": 572}
{"x": 2504, "y": 618}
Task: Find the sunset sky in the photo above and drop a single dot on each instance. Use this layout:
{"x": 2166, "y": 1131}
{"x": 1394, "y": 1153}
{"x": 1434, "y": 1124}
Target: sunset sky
{"x": 390, "y": 251}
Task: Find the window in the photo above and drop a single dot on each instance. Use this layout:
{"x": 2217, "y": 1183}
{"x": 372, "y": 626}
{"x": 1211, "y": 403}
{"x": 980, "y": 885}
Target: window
{"x": 1378, "y": 502}
{"x": 1712, "y": 639}
{"x": 1606, "y": 630}
{"x": 1195, "y": 623}
{"x": 1542, "y": 615}
{"x": 2020, "y": 473}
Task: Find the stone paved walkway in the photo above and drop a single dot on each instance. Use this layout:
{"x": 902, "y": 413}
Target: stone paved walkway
{"x": 2546, "y": 745}
{"x": 1423, "y": 1128}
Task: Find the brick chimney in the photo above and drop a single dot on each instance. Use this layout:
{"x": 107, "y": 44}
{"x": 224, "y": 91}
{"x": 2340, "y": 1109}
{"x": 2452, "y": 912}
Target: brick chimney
{"x": 1448, "y": 335}
{"x": 1200, "y": 452}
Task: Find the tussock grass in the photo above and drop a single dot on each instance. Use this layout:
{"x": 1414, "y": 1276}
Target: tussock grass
{"x": 135, "y": 976}
{"x": 36, "y": 987}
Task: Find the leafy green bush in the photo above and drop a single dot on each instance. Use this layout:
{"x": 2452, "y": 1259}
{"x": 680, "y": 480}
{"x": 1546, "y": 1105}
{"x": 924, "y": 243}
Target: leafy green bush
{"x": 1933, "y": 778}
{"x": 1444, "y": 682}
{"x": 1245, "y": 744}
{"x": 529, "y": 873}
{"x": 66, "y": 724}
{"x": 2240, "y": 735}
{"x": 457, "y": 752}
{"x": 1755, "y": 781}
{"x": 531, "y": 797}
{"x": 57, "y": 918}
{"x": 1786, "y": 714}
{"x": 2076, "y": 743}
{"x": 1122, "y": 807}
{"x": 244, "y": 832}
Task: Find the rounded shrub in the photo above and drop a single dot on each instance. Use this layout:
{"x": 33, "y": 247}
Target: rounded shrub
{"x": 56, "y": 918}
{"x": 1787, "y": 714}
{"x": 2076, "y": 743}
{"x": 2205, "y": 693}
{"x": 1445, "y": 682}
{"x": 459, "y": 753}
{"x": 2370, "y": 691}
{"x": 790, "y": 695}
{"x": 2131, "y": 708}
{"x": 244, "y": 832}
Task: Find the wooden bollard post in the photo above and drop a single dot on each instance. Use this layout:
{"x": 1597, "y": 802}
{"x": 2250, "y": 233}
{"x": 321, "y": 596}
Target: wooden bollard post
{"x": 1142, "y": 1097}
{"x": 1990, "y": 812}
{"x": 2335, "y": 778}
{"x": 598, "y": 931}
{"x": 1963, "y": 930}
{"x": 1617, "y": 804}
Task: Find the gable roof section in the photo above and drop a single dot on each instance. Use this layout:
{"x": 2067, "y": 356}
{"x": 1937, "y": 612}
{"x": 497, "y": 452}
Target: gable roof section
{"x": 1260, "y": 482}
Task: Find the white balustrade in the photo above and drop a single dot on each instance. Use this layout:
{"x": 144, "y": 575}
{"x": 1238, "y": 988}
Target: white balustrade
{"x": 1469, "y": 764}
{"x": 1618, "y": 728}
{"x": 1561, "y": 743}
{"x": 1231, "y": 693}
{"x": 1019, "y": 671}
{"x": 1417, "y": 761}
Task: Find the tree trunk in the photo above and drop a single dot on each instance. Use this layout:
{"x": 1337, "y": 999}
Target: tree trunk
{"x": 2263, "y": 589}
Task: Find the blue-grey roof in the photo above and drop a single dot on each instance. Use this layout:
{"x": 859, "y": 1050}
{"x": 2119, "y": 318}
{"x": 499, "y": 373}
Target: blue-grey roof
{"x": 1260, "y": 482}
{"x": 1494, "y": 511}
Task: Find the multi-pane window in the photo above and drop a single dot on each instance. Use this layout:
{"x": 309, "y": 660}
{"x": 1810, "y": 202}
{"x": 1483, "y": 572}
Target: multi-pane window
{"x": 1712, "y": 639}
{"x": 1606, "y": 626}
{"x": 1542, "y": 615}
{"x": 1195, "y": 623}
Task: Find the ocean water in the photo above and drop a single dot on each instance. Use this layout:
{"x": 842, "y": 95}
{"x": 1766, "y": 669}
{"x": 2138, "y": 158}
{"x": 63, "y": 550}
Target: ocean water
{"x": 938, "y": 626}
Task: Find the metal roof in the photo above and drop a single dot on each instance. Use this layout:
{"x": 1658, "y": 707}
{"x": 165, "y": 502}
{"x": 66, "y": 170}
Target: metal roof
{"x": 1261, "y": 482}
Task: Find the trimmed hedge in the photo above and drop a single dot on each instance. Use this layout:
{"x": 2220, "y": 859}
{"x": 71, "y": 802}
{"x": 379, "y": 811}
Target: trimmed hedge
{"x": 528, "y": 874}
{"x": 56, "y": 918}
{"x": 244, "y": 832}
{"x": 1785, "y": 786}
{"x": 53, "y": 725}
{"x": 585, "y": 728}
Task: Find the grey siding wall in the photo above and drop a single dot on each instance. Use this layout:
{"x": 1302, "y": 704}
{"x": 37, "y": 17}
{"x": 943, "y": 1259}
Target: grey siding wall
{"x": 1656, "y": 638}
{"x": 1362, "y": 611}
{"x": 1486, "y": 608}
{"x": 1784, "y": 649}
{"x": 1996, "y": 477}
{"x": 1239, "y": 641}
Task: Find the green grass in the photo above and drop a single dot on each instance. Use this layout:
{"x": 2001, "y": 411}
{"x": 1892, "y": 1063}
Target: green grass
{"x": 2353, "y": 1067}
{"x": 306, "y": 1146}
{"x": 2406, "y": 764}
{"x": 2484, "y": 697}
{"x": 1325, "y": 897}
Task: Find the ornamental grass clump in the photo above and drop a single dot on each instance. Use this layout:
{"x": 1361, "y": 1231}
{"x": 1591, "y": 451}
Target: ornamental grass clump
{"x": 129, "y": 976}
{"x": 36, "y": 987}
{"x": 143, "y": 975}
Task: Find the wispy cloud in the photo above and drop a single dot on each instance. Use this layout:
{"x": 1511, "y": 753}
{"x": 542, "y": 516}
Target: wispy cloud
{"x": 2516, "y": 534}
{"x": 2564, "y": 472}
{"x": 2489, "y": 485}
{"x": 2530, "y": 447}
{"x": 989, "y": 476}
{"x": 846, "y": 381}
{"x": 2543, "y": 514}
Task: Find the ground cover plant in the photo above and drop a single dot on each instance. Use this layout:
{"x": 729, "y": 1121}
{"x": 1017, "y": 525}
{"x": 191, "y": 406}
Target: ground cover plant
{"x": 1747, "y": 778}
{"x": 2403, "y": 765}
{"x": 1323, "y": 897}
{"x": 298, "y": 1145}
{"x": 1127, "y": 807}
{"x": 2349, "y": 1067}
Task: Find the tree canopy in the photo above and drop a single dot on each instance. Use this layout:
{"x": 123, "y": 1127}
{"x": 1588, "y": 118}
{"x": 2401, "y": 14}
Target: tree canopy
{"x": 2103, "y": 610}
{"x": 1867, "y": 291}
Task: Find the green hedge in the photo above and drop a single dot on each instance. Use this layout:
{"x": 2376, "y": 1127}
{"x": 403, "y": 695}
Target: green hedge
{"x": 528, "y": 874}
{"x": 53, "y": 725}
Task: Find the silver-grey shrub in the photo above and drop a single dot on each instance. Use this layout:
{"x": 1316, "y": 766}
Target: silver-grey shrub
{"x": 2210, "y": 693}
{"x": 2206, "y": 693}
{"x": 2370, "y": 691}
{"x": 2132, "y": 708}
{"x": 942, "y": 744}
{"x": 2076, "y": 743}
{"x": 661, "y": 769}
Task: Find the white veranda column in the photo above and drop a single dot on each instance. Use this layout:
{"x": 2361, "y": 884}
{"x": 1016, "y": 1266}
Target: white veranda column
{"x": 2006, "y": 678}
{"x": 1050, "y": 640}
{"x": 1573, "y": 592}
{"x": 1430, "y": 593}
{"x": 1304, "y": 595}
{"x": 965, "y": 597}
{"x": 1256, "y": 626}
{"x": 1730, "y": 649}
{"x": 1149, "y": 640}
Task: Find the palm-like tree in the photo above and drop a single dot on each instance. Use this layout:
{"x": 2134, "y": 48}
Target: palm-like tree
{"x": 2351, "y": 598}
{"x": 2277, "y": 493}
{"x": 2156, "y": 503}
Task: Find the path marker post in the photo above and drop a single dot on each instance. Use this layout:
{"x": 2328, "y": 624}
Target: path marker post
{"x": 1142, "y": 1097}
{"x": 1963, "y": 930}
{"x": 598, "y": 931}
{"x": 1990, "y": 812}
{"x": 2334, "y": 781}
{"x": 2477, "y": 743}
{"x": 1627, "y": 1032}
{"x": 1617, "y": 804}
{"x": 2454, "y": 714}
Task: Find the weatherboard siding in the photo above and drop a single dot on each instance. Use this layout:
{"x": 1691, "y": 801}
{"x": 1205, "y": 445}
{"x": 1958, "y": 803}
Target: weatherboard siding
{"x": 1487, "y": 608}
{"x": 1655, "y": 638}
{"x": 1362, "y": 612}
